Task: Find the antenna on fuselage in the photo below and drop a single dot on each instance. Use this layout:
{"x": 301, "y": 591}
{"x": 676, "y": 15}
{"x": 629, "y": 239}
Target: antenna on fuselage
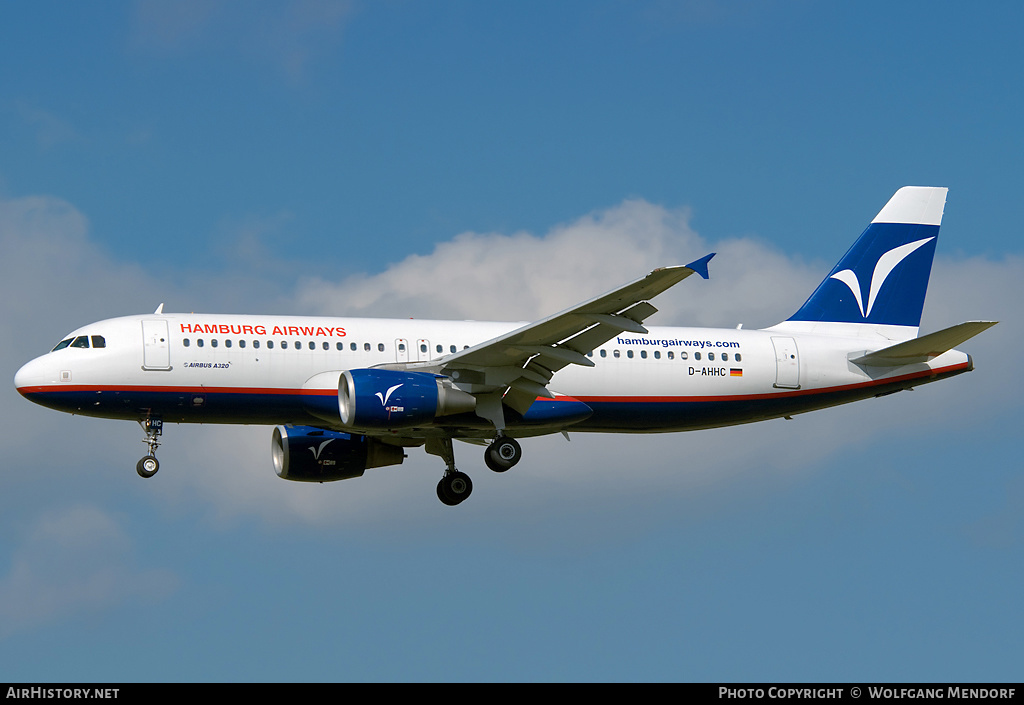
{"x": 159, "y": 310}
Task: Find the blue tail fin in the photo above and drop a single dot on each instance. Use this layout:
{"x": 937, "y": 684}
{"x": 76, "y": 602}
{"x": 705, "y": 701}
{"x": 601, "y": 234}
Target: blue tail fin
{"x": 883, "y": 278}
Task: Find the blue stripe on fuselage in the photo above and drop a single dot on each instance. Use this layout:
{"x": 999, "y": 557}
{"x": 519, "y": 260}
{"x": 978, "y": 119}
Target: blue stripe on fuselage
{"x": 609, "y": 414}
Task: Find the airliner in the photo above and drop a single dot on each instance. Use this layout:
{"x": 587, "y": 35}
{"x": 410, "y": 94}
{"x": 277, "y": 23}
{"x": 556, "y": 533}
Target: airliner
{"x": 349, "y": 394}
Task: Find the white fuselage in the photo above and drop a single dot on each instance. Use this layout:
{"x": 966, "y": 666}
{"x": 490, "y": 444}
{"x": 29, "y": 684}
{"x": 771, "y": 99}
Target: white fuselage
{"x": 260, "y": 369}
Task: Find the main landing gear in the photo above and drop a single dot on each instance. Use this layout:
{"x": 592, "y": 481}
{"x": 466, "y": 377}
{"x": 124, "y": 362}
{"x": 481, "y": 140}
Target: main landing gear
{"x": 502, "y": 454}
{"x": 455, "y": 487}
{"x": 148, "y": 465}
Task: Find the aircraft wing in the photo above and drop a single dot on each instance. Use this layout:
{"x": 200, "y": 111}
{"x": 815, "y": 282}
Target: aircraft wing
{"x": 524, "y": 360}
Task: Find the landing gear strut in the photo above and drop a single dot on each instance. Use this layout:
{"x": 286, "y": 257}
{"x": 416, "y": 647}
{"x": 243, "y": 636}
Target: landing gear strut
{"x": 148, "y": 465}
{"x": 455, "y": 487}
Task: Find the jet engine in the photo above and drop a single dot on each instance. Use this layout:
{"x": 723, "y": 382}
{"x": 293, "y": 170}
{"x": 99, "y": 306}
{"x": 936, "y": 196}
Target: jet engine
{"x": 388, "y": 399}
{"x": 309, "y": 454}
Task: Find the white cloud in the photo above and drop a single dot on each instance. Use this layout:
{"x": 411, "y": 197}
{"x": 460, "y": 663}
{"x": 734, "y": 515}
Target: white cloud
{"x": 515, "y": 277}
{"x": 518, "y": 276}
{"x": 49, "y": 259}
{"x": 50, "y": 129}
{"x": 288, "y": 35}
{"x": 71, "y": 561}
{"x": 523, "y": 276}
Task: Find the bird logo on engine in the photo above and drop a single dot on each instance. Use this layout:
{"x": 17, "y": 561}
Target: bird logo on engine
{"x": 317, "y": 451}
{"x": 386, "y": 396}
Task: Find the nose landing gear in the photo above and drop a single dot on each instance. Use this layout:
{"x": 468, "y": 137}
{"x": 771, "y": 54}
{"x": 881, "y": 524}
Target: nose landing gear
{"x": 148, "y": 465}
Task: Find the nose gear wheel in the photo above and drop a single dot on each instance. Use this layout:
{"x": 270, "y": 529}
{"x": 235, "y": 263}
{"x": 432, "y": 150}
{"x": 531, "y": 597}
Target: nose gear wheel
{"x": 148, "y": 465}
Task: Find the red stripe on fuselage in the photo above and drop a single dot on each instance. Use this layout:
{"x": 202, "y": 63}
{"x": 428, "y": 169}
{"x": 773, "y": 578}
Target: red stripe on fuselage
{"x": 44, "y": 389}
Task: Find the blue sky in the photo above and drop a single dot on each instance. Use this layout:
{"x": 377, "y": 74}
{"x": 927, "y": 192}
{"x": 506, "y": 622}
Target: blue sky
{"x": 486, "y": 160}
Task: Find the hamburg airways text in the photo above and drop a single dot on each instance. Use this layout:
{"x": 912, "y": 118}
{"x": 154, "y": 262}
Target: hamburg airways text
{"x": 236, "y": 329}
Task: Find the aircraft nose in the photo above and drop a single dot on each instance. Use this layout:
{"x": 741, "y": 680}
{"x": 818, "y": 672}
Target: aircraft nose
{"x": 32, "y": 374}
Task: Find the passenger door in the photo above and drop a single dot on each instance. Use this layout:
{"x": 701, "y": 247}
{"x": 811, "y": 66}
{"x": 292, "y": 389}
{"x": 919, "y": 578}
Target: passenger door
{"x": 787, "y": 363}
{"x": 156, "y": 349}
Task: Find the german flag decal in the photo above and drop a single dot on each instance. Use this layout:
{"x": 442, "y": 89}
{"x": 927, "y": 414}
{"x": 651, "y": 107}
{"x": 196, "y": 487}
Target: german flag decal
{"x": 735, "y": 372}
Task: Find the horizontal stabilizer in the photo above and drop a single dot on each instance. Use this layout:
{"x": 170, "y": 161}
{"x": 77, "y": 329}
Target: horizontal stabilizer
{"x": 924, "y": 348}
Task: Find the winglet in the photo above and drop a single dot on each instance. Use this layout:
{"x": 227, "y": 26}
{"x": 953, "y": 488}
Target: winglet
{"x": 700, "y": 266}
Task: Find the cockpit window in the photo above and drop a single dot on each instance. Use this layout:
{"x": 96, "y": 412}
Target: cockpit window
{"x": 81, "y": 341}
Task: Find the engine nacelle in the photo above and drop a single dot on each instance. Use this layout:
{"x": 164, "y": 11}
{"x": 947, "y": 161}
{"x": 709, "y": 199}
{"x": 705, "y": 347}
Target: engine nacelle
{"x": 388, "y": 399}
{"x": 309, "y": 454}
